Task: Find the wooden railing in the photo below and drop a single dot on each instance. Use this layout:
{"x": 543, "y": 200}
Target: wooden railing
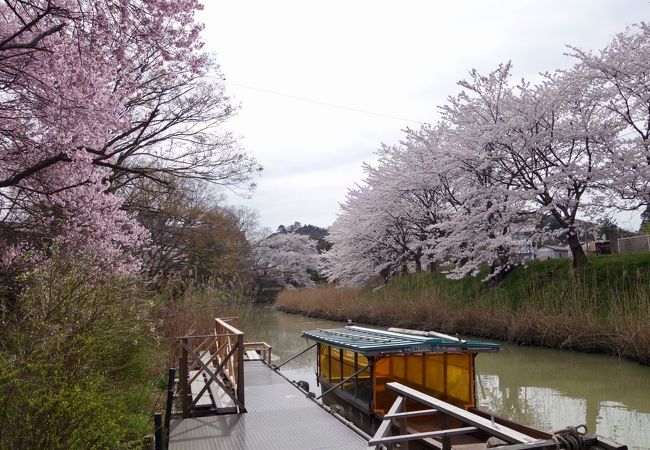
{"x": 220, "y": 358}
{"x": 262, "y": 348}
{"x": 230, "y": 354}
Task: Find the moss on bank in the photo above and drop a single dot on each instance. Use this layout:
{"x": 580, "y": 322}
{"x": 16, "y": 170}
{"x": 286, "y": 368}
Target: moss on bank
{"x": 604, "y": 309}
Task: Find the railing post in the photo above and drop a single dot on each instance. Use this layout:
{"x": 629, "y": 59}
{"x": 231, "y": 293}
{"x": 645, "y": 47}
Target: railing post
{"x": 240, "y": 369}
{"x": 185, "y": 389}
{"x": 170, "y": 400}
{"x": 158, "y": 431}
{"x": 403, "y": 431}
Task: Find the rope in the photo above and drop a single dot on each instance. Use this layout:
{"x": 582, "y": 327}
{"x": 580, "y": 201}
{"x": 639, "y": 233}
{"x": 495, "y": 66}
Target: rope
{"x": 570, "y": 438}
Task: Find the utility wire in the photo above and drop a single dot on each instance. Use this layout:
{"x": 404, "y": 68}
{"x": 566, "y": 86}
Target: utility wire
{"x": 317, "y": 102}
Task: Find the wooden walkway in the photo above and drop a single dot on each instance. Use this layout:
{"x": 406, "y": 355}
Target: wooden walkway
{"x": 278, "y": 416}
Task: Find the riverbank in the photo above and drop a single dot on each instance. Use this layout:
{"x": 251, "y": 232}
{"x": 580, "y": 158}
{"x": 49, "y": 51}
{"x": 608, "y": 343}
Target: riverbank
{"x": 606, "y": 309}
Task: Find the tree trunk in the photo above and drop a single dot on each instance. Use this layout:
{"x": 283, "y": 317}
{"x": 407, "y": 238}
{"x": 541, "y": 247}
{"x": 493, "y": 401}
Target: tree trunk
{"x": 418, "y": 264}
{"x": 645, "y": 220}
{"x": 578, "y": 254}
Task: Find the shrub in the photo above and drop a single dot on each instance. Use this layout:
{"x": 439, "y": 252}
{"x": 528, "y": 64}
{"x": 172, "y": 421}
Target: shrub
{"x": 75, "y": 352}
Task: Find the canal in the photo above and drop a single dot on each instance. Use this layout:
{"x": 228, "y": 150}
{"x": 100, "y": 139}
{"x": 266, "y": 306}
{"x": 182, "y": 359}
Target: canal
{"x": 546, "y": 388}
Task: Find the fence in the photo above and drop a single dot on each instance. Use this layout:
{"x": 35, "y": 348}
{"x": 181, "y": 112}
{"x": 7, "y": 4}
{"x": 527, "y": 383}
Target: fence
{"x": 221, "y": 357}
{"x": 634, "y": 244}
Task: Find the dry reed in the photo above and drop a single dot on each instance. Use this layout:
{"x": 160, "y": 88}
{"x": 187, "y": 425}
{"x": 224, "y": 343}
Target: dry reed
{"x": 581, "y": 314}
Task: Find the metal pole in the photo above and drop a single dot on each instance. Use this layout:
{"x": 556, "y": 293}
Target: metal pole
{"x": 158, "y": 431}
{"x": 294, "y": 357}
{"x": 341, "y": 382}
{"x": 184, "y": 379}
{"x": 170, "y": 400}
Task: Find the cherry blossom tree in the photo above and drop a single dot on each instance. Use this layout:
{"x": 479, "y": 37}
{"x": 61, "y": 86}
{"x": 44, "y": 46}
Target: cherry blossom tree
{"x": 470, "y": 190}
{"x": 546, "y": 146}
{"x": 96, "y": 94}
{"x": 286, "y": 259}
{"x": 367, "y": 241}
{"x": 618, "y": 75}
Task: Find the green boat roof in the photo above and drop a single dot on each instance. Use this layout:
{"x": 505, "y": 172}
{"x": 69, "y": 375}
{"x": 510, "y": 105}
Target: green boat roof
{"x": 371, "y": 342}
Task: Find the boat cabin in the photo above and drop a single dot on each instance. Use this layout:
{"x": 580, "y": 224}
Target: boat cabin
{"x": 356, "y": 363}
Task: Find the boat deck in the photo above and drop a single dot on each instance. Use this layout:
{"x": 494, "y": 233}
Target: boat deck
{"x": 278, "y": 416}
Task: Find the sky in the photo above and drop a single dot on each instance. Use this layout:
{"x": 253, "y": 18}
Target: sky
{"x": 321, "y": 85}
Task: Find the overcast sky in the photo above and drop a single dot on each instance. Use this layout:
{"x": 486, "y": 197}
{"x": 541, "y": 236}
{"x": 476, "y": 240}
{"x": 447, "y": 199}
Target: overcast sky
{"x": 322, "y": 84}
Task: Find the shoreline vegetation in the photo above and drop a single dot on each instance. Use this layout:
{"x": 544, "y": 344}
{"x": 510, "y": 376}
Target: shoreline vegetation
{"x": 78, "y": 360}
{"x": 606, "y": 309}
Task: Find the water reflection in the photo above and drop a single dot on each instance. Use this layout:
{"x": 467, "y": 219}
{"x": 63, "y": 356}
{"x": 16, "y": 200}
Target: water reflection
{"x": 545, "y": 388}
{"x": 551, "y": 389}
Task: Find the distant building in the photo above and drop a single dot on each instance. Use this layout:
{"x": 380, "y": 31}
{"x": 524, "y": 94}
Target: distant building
{"x": 600, "y": 247}
{"x": 547, "y": 251}
{"x": 525, "y": 252}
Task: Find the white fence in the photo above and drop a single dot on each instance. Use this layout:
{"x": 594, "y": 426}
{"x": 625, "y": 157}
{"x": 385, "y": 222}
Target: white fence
{"x": 634, "y": 244}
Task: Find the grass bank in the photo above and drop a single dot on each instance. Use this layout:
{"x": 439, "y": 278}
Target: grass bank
{"x": 606, "y": 309}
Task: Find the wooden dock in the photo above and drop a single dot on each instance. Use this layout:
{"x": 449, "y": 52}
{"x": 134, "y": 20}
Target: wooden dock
{"x": 278, "y": 416}
{"x": 231, "y": 398}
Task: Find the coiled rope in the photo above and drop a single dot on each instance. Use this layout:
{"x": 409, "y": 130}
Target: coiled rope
{"x": 570, "y": 438}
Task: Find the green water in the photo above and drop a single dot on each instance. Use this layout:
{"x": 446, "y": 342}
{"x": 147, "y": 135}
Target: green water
{"x": 546, "y": 388}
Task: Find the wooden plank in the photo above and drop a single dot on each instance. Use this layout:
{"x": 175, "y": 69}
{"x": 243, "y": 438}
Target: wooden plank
{"x": 422, "y": 412}
{"x": 252, "y": 355}
{"x": 222, "y": 403}
{"x": 502, "y": 432}
{"x": 220, "y": 323}
{"x": 196, "y": 388}
{"x": 549, "y": 444}
{"x": 423, "y": 435}
{"x": 610, "y": 445}
{"x": 210, "y": 373}
{"x": 384, "y": 428}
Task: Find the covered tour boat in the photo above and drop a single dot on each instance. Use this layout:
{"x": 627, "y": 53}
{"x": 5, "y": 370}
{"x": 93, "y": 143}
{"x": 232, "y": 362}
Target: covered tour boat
{"x": 423, "y": 383}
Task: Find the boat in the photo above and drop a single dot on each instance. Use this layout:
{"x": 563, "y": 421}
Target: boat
{"x": 419, "y": 387}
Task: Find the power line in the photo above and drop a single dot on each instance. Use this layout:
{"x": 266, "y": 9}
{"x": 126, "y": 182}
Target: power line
{"x": 318, "y": 102}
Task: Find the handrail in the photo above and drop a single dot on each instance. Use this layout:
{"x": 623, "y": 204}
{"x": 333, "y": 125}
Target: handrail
{"x": 228, "y": 327}
{"x": 262, "y": 347}
{"x": 203, "y": 336}
{"x": 219, "y": 357}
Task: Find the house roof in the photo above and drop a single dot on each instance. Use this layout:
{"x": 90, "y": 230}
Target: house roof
{"x": 557, "y": 248}
{"x": 371, "y": 342}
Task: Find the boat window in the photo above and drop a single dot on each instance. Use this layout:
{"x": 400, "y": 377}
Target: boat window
{"x": 324, "y": 358}
{"x": 348, "y": 367}
{"x": 446, "y": 376}
{"x": 363, "y": 362}
{"x": 338, "y": 364}
{"x": 335, "y": 365}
